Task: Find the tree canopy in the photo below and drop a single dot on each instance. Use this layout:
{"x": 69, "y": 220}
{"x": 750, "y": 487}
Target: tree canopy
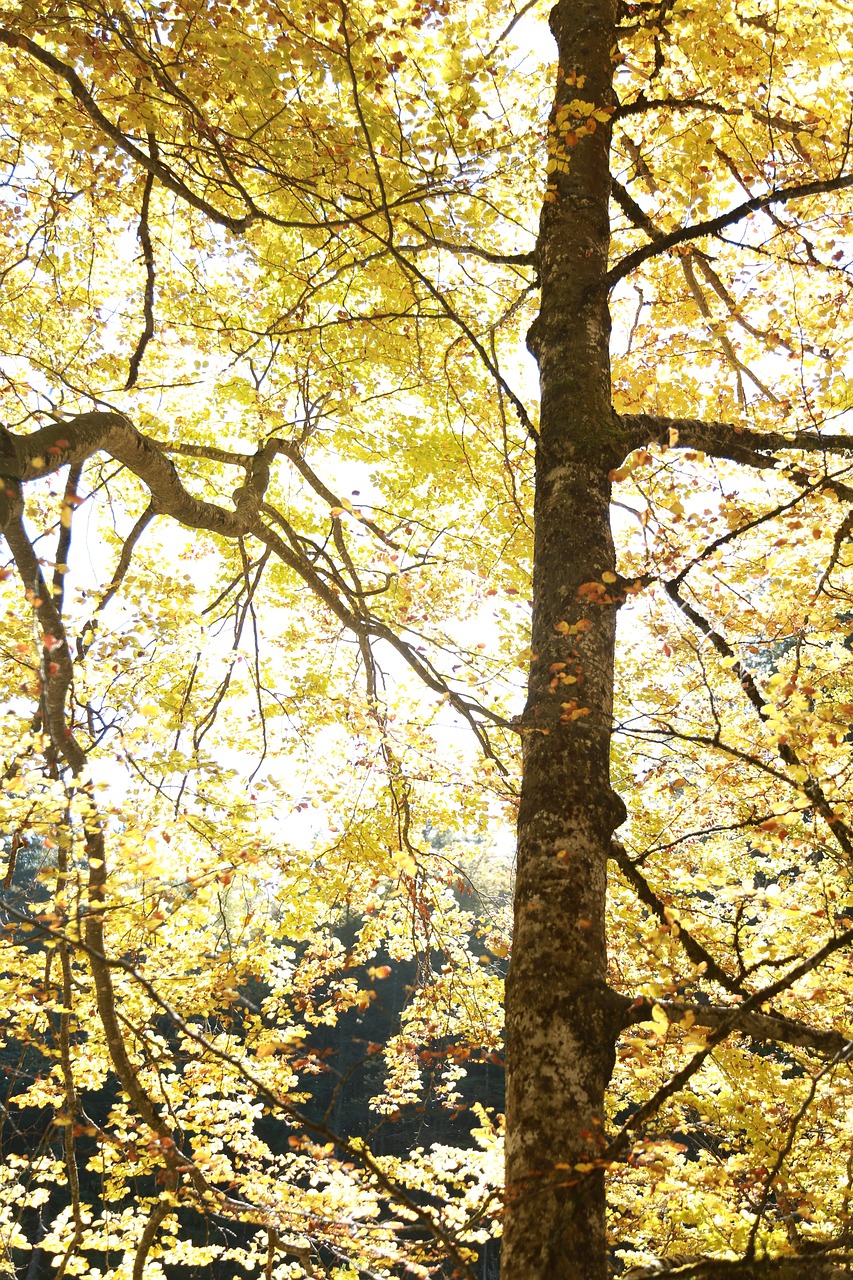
{"x": 311, "y": 594}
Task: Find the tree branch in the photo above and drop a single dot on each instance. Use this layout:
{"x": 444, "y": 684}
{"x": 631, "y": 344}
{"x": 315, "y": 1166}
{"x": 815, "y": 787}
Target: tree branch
{"x": 472, "y": 250}
{"x": 63, "y": 545}
{"x": 356, "y": 1151}
{"x": 842, "y": 534}
{"x": 715, "y": 330}
{"x": 640, "y": 218}
{"x": 77, "y": 439}
{"x": 144, "y": 233}
{"x": 635, "y": 1122}
{"x": 126, "y": 555}
{"x": 166, "y": 176}
{"x": 810, "y": 786}
{"x": 692, "y": 947}
{"x": 642, "y": 104}
{"x": 817, "y": 1264}
{"x": 15, "y": 40}
{"x": 759, "y": 1026}
{"x": 711, "y": 226}
{"x": 633, "y": 211}
{"x": 158, "y": 1214}
{"x": 726, "y": 440}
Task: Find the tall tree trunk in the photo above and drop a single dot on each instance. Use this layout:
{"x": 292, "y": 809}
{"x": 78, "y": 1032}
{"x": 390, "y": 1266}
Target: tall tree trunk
{"x": 560, "y": 1011}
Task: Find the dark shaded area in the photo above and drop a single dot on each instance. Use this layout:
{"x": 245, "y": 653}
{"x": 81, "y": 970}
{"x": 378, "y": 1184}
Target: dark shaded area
{"x": 351, "y": 1073}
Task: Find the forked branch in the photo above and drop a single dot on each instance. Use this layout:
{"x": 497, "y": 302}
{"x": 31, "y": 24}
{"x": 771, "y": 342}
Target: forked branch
{"x": 763, "y": 1027}
{"x": 711, "y": 226}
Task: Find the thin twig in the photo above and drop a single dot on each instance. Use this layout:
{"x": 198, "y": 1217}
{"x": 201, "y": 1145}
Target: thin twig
{"x": 144, "y": 233}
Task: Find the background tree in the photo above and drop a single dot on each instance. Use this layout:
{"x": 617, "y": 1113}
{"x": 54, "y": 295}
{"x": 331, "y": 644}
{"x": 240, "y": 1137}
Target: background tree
{"x": 267, "y": 274}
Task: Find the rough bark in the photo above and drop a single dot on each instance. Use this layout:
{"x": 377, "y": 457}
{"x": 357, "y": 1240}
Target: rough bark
{"x": 562, "y": 1018}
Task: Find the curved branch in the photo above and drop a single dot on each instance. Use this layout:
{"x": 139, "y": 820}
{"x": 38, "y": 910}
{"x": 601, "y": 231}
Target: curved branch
{"x": 15, "y": 40}
{"x": 57, "y": 678}
{"x": 77, "y": 439}
{"x": 58, "y": 673}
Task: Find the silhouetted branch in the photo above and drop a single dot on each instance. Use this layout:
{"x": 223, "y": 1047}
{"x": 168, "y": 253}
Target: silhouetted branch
{"x": 727, "y": 440}
{"x": 711, "y": 226}
{"x": 144, "y": 234}
{"x": 692, "y": 947}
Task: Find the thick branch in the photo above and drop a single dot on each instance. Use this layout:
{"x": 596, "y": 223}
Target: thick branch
{"x": 76, "y": 440}
{"x": 158, "y": 1214}
{"x": 759, "y": 1026}
{"x": 810, "y": 1266}
{"x": 726, "y": 440}
{"x": 633, "y": 211}
{"x": 57, "y": 676}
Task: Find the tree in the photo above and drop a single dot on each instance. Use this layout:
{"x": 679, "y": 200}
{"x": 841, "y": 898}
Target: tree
{"x": 298, "y": 247}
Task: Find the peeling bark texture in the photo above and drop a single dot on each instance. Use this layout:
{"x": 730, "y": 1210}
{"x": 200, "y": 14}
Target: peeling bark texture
{"x": 562, "y": 1019}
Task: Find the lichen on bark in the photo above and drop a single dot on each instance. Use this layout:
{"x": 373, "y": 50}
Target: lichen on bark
{"x": 562, "y": 1019}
